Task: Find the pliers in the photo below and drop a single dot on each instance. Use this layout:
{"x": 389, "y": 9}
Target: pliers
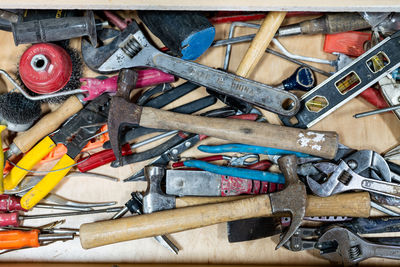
{"x": 74, "y": 134}
{"x": 240, "y": 172}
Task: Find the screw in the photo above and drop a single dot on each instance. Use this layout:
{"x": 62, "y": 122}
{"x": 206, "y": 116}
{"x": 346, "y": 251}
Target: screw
{"x": 175, "y": 151}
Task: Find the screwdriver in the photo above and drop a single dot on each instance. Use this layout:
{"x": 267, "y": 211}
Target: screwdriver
{"x": 16, "y": 239}
{"x": 14, "y": 218}
{"x": 12, "y": 203}
{"x": 134, "y": 206}
{"x": 327, "y": 24}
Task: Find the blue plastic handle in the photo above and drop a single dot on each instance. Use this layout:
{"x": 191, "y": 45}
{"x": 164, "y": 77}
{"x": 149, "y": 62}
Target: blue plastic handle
{"x": 237, "y": 172}
{"x": 241, "y": 148}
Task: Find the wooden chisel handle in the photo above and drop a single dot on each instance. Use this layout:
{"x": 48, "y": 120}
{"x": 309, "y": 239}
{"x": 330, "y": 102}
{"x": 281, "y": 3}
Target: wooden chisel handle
{"x": 317, "y": 143}
{"x": 177, "y": 220}
{"x": 48, "y": 124}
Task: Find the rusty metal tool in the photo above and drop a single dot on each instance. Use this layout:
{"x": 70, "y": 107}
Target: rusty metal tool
{"x": 123, "y": 113}
{"x": 131, "y": 49}
{"x": 341, "y": 246}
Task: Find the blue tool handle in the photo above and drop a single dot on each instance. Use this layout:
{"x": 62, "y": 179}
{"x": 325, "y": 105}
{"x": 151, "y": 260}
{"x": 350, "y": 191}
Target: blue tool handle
{"x": 241, "y": 148}
{"x": 237, "y": 172}
{"x": 302, "y": 79}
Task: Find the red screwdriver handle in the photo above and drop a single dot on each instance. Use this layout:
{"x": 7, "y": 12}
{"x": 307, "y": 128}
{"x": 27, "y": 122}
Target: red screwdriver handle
{"x": 10, "y": 203}
{"x": 9, "y": 219}
{"x": 100, "y": 158}
{"x": 16, "y": 239}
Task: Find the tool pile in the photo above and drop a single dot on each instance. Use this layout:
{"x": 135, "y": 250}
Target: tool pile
{"x": 279, "y": 176}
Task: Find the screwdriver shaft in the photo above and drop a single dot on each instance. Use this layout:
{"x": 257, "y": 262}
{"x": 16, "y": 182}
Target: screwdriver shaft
{"x": 63, "y": 214}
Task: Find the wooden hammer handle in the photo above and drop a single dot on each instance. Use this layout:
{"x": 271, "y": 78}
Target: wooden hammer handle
{"x": 48, "y": 124}
{"x": 267, "y": 30}
{"x": 321, "y": 144}
{"x": 172, "y": 221}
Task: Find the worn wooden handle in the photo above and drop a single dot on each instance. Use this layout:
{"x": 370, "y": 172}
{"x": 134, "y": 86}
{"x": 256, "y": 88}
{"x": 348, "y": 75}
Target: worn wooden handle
{"x": 321, "y": 144}
{"x": 182, "y": 202}
{"x": 267, "y": 30}
{"x": 261, "y": 41}
{"x": 48, "y": 124}
{"x": 171, "y": 221}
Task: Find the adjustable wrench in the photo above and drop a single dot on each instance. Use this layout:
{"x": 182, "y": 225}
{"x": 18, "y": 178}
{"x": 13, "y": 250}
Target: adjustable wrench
{"x": 342, "y": 246}
{"x": 345, "y": 179}
{"x": 131, "y": 49}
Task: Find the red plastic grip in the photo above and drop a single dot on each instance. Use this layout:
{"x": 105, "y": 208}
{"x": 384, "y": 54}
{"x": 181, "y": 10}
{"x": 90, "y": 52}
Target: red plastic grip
{"x": 9, "y": 219}
{"x": 10, "y": 203}
{"x": 100, "y": 158}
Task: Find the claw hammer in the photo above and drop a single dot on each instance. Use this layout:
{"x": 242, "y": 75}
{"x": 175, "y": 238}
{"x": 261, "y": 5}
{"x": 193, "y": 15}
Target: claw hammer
{"x": 292, "y": 200}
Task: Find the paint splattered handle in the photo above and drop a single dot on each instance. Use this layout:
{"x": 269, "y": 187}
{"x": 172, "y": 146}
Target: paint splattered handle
{"x": 316, "y": 143}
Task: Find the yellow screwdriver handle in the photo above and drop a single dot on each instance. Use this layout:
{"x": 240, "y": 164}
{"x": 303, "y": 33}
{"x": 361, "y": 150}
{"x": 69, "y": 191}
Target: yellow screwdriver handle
{"x": 2, "y": 128}
{"x": 37, "y": 153}
{"x": 39, "y": 191}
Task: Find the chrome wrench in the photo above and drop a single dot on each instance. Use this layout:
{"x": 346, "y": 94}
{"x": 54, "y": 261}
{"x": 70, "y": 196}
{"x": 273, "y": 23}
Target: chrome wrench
{"x": 132, "y": 49}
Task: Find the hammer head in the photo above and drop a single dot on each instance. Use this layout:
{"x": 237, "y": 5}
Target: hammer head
{"x": 292, "y": 199}
{"x": 122, "y": 113}
{"x": 154, "y": 198}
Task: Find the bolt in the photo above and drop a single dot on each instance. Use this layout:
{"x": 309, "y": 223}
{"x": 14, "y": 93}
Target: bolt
{"x": 352, "y": 164}
{"x": 188, "y": 144}
{"x": 175, "y": 151}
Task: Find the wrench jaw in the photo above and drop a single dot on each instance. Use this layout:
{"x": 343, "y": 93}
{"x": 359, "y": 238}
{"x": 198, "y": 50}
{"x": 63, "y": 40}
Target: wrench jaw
{"x": 346, "y": 247}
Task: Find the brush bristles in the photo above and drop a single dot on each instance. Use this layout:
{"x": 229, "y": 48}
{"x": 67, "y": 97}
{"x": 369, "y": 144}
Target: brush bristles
{"x": 17, "y": 109}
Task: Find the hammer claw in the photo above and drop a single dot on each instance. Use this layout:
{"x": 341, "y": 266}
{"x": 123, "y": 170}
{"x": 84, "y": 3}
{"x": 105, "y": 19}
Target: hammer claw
{"x": 122, "y": 112}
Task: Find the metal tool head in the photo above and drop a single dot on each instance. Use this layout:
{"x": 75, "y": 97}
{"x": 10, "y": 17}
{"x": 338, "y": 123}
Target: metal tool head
{"x": 327, "y": 188}
{"x": 292, "y": 199}
{"x": 341, "y": 246}
{"x": 154, "y": 198}
{"x": 124, "y": 51}
{"x": 364, "y": 162}
{"x": 122, "y": 112}
{"x": 95, "y": 57}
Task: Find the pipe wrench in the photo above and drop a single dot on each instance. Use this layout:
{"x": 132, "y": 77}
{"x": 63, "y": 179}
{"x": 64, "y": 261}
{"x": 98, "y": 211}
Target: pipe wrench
{"x": 131, "y": 49}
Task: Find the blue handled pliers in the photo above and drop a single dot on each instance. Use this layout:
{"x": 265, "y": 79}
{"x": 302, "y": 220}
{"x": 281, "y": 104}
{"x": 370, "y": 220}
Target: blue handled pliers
{"x": 240, "y": 172}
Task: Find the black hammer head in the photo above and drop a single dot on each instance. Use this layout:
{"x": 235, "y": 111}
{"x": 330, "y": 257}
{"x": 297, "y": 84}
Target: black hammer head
{"x": 122, "y": 112}
{"x": 292, "y": 199}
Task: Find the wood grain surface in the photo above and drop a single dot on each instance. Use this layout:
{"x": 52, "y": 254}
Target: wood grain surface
{"x": 208, "y": 244}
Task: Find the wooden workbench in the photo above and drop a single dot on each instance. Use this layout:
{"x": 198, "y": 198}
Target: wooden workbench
{"x": 209, "y": 244}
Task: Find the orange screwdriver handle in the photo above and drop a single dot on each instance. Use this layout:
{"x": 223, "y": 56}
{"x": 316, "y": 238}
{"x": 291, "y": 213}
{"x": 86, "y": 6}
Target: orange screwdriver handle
{"x": 16, "y": 239}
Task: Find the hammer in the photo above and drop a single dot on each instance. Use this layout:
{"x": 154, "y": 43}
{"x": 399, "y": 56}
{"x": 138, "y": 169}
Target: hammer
{"x": 292, "y": 200}
{"x": 124, "y": 113}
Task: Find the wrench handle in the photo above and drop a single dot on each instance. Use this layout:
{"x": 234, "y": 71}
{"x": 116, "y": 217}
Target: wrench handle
{"x": 170, "y": 221}
{"x": 321, "y": 144}
{"x": 380, "y": 187}
{"x": 259, "y": 94}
